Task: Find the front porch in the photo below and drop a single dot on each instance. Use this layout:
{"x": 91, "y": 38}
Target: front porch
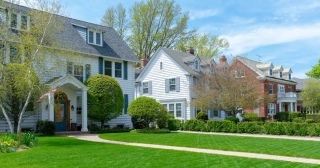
{"x": 287, "y": 101}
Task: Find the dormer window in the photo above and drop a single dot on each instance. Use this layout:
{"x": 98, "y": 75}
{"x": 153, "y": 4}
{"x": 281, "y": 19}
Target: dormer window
{"x": 14, "y": 20}
{"x": 270, "y": 72}
{"x": 280, "y": 74}
{"x": 196, "y": 65}
{"x": 289, "y": 76}
{"x": 94, "y": 37}
{"x": 19, "y": 21}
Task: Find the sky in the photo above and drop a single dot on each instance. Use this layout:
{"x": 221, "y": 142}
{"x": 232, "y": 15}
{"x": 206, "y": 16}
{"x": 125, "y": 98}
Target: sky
{"x": 284, "y": 32}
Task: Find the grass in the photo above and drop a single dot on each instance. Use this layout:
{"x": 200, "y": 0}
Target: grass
{"x": 70, "y": 152}
{"x": 284, "y": 147}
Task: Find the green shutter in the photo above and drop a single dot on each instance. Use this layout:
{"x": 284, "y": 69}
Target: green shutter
{"x": 126, "y": 103}
{"x": 88, "y": 71}
{"x": 125, "y": 68}
{"x": 100, "y": 65}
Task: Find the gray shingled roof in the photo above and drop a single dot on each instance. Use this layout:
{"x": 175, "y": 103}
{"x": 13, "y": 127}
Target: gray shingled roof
{"x": 251, "y": 64}
{"x": 182, "y": 57}
{"x": 301, "y": 83}
{"x": 113, "y": 45}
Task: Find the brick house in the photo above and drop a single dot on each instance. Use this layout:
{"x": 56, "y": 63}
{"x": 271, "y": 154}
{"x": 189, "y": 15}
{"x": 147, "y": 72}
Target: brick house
{"x": 273, "y": 79}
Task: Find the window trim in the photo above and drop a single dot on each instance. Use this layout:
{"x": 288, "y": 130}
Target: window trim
{"x": 167, "y": 105}
{"x": 271, "y": 106}
{"x": 281, "y": 88}
{"x": 143, "y": 87}
{"x": 271, "y": 89}
{"x": 74, "y": 72}
{"x": 108, "y": 67}
{"x": 19, "y": 21}
{"x": 121, "y": 70}
{"x": 94, "y": 38}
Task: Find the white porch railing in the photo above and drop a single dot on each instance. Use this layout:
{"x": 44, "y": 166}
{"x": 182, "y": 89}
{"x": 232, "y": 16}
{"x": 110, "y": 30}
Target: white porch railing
{"x": 287, "y": 95}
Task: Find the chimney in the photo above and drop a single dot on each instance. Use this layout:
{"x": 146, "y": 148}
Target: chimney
{"x": 143, "y": 62}
{"x": 222, "y": 59}
{"x": 190, "y": 50}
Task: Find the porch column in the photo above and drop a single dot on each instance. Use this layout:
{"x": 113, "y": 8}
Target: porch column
{"x": 84, "y": 112}
{"x": 280, "y": 107}
{"x": 295, "y": 106}
{"x": 291, "y": 106}
{"x": 51, "y": 107}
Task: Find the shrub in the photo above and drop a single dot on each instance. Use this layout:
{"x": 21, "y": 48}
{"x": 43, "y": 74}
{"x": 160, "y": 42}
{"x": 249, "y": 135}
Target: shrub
{"x": 221, "y": 126}
{"x": 138, "y": 122}
{"x": 45, "y": 128}
{"x": 288, "y": 116}
{"x": 194, "y": 125}
{"x": 298, "y": 120}
{"x": 310, "y": 121}
{"x": 250, "y": 116}
{"x": 313, "y": 129}
{"x": 174, "y": 124}
{"x": 8, "y": 142}
{"x": 315, "y": 117}
{"x": 28, "y": 139}
{"x": 150, "y": 131}
{"x": 162, "y": 120}
{"x": 147, "y": 109}
{"x": 301, "y": 129}
{"x": 250, "y": 127}
{"x": 233, "y": 119}
{"x": 273, "y": 128}
{"x": 202, "y": 116}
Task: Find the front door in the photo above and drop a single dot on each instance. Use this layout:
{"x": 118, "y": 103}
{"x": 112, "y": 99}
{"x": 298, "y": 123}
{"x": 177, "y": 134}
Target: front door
{"x": 60, "y": 116}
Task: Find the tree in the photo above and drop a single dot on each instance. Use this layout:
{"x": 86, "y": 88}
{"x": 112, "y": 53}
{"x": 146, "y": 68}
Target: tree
{"x": 105, "y": 98}
{"x": 14, "y": 88}
{"x": 311, "y": 94}
{"x": 205, "y": 45}
{"x": 116, "y": 17}
{"x": 315, "y": 71}
{"x": 228, "y": 91}
{"x": 32, "y": 43}
{"x": 147, "y": 109}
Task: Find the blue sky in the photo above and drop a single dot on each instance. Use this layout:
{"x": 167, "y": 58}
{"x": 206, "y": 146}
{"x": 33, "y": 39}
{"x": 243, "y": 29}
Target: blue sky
{"x": 284, "y": 32}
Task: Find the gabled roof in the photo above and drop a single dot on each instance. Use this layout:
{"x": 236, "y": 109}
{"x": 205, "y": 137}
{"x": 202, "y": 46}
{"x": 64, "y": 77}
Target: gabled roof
{"x": 278, "y": 68}
{"x": 182, "y": 58}
{"x": 113, "y": 45}
{"x": 301, "y": 83}
{"x": 287, "y": 70}
{"x": 265, "y": 65}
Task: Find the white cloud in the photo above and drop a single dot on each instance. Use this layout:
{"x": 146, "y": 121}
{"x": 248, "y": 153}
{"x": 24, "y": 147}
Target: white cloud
{"x": 246, "y": 41}
{"x": 199, "y": 14}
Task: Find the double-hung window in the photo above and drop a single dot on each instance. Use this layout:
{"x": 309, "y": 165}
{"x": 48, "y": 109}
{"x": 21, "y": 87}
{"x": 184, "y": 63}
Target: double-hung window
{"x": 172, "y": 83}
{"x": 108, "y": 68}
{"x": 145, "y": 89}
{"x": 19, "y": 21}
{"x": 14, "y": 20}
{"x": 281, "y": 89}
{"x": 117, "y": 69}
{"x": 270, "y": 89}
{"x": 78, "y": 72}
{"x": 271, "y": 109}
{"x": 174, "y": 108}
{"x": 24, "y": 22}
{"x": 94, "y": 37}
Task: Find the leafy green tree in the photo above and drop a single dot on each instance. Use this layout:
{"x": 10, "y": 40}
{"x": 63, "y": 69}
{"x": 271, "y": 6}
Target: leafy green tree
{"x": 148, "y": 109}
{"x": 105, "y": 98}
{"x": 205, "y": 45}
{"x": 15, "y": 89}
{"x": 311, "y": 94}
{"x": 116, "y": 17}
{"x": 315, "y": 71}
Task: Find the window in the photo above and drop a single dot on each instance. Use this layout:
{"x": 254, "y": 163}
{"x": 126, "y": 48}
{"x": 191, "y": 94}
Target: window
{"x": 118, "y": 70}
{"x": 78, "y": 72}
{"x": 196, "y": 65}
{"x": 281, "y": 89}
{"x": 145, "y": 87}
{"x": 270, "y": 72}
{"x": 270, "y": 88}
{"x": 213, "y": 114}
{"x": 160, "y": 65}
{"x": 174, "y": 108}
{"x": 94, "y": 37}
{"x": 24, "y": 22}
{"x": 108, "y": 68}
{"x": 14, "y": 20}
{"x": 280, "y": 74}
{"x": 271, "y": 109}
{"x": 172, "y": 83}
{"x": 289, "y": 89}
{"x": 289, "y": 76}
{"x": 3, "y": 15}
{"x": 14, "y": 54}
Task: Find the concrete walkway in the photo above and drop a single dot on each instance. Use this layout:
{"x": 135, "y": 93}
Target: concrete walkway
{"x": 95, "y": 138}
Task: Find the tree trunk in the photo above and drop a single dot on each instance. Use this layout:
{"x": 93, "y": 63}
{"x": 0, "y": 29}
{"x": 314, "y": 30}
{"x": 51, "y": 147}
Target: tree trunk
{"x": 7, "y": 118}
{"x": 22, "y": 112}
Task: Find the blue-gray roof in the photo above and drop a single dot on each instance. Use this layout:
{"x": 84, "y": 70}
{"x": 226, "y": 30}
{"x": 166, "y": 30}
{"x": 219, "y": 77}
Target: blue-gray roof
{"x": 113, "y": 44}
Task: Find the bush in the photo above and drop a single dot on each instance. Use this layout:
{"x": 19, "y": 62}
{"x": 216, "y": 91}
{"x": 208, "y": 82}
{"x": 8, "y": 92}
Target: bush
{"x": 138, "y": 122}
{"x": 8, "y": 142}
{"x": 250, "y": 116}
{"x": 313, "y": 129}
{"x": 150, "y": 131}
{"x": 28, "y": 139}
{"x": 174, "y": 124}
{"x": 250, "y": 127}
{"x": 315, "y": 117}
{"x": 233, "y": 119}
{"x": 273, "y": 128}
{"x": 162, "y": 120}
{"x": 298, "y": 120}
{"x": 194, "y": 125}
{"x": 310, "y": 121}
{"x": 202, "y": 116}
{"x": 288, "y": 116}
{"x": 46, "y": 128}
{"x": 221, "y": 126}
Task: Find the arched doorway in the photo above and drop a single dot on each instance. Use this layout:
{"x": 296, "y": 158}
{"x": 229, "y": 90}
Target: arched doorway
{"x": 61, "y": 111}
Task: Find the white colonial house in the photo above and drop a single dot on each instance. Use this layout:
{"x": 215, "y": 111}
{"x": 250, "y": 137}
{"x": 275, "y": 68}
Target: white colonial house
{"x": 169, "y": 76}
{"x": 100, "y": 50}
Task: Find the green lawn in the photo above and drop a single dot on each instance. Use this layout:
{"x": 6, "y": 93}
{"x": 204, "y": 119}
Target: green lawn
{"x": 70, "y": 152}
{"x": 284, "y": 147}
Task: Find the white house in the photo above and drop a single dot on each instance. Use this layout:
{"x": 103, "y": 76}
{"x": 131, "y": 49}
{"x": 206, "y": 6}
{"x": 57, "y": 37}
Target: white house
{"x": 101, "y": 51}
{"x": 169, "y": 76}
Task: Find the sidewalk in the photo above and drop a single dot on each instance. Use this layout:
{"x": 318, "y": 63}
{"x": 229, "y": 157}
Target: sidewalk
{"x": 95, "y": 138}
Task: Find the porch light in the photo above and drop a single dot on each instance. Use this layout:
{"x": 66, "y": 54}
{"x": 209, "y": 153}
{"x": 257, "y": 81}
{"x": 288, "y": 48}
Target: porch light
{"x": 72, "y": 108}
